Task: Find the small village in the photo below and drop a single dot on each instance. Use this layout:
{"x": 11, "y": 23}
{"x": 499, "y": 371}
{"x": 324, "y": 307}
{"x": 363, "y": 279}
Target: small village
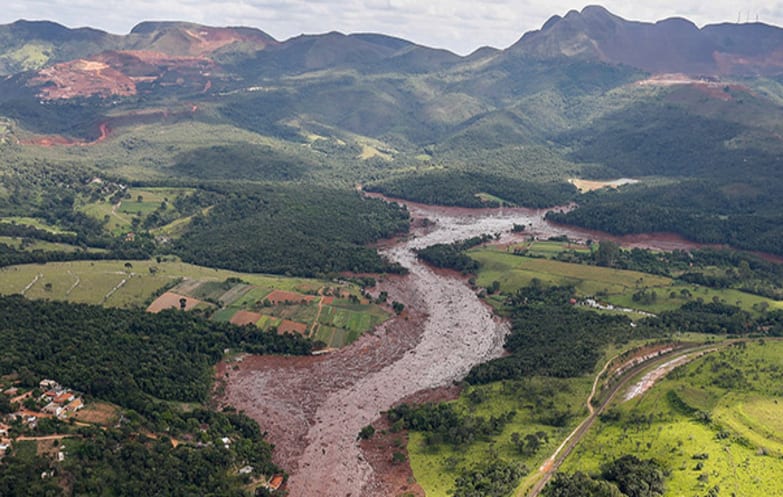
{"x": 30, "y": 408}
{"x": 35, "y": 415}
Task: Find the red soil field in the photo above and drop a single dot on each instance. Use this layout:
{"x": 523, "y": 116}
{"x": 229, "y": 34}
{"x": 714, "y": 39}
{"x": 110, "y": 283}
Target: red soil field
{"x": 292, "y": 327}
{"x": 170, "y": 300}
{"x": 281, "y": 297}
{"x": 242, "y": 318}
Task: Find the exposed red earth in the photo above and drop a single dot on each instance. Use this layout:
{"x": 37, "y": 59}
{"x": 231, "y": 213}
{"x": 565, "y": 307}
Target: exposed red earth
{"x": 171, "y": 300}
{"x": 397, "y": 478}
{"x": 119, "y": 74}
{"x": 314, "y": 407}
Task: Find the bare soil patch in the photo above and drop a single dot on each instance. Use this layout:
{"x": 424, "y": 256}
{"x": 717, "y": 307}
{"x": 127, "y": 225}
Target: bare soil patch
{"x": 242, "y": 318}
{"x": 171, "y": 300}
{"x": 101, "y": 413}
{"x": 282, "y": 296}
{"x": 287, "y": 326}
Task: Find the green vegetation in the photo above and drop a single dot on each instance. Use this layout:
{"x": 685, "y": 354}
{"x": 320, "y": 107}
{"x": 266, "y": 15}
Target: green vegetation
{"x": 452, "y": 256}
{"x": 709, "y": 421}
{"x": 136, "y": 284}
{"x": 551, "y": 337}
{"x": 303, "y": 231}
{"x": 131, "y": 463}
{"x": 620, "y": 287}
{"x": 627, "y": 476}
{"x": 546, "y": 409}
{"x": 472, "y": 189}
{"x": 126, "y": 356}
{"x": 143, "y": 278}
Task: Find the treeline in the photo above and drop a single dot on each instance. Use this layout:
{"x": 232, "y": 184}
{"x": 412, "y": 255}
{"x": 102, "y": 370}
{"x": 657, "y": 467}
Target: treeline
{"x": 460, "y": 188}
{"x": 128, "y": 357}
{"x": 627, "y": 476}
{"x": 441, "y": 423}
{"x": 713, "y": 318}
{"x": 715, "y": 268}
{"x": 294, "y": 230}
{"x": 550, "y": 337}
{"x": 452, "y": 255}
{"x": 701, "y": 211}
{"x": 10, "y": 256}
{"x": 493, "y": 478}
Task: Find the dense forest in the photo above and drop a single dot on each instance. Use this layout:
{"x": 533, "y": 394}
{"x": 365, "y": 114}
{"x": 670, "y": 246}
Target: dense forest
{"x": 462, "y": 188}
{"x": 443, "y": 424}
{"x": 743, "y": 214}
{"x": 302, "y": 231}
{"x": 141, "y": 362}
{"x": 550, "y": 337}
{"x": 128, "y": 357}
{"x": 240, "y": 161}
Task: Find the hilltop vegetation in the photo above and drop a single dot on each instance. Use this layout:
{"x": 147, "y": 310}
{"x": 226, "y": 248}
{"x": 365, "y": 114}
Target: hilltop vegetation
{"x": 303, "y": 231}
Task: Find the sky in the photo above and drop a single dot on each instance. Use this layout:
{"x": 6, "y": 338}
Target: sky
{"x": 457, "y": 25}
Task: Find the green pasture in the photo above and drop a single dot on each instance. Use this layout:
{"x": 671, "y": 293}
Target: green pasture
{"x": 94, "y": 282}
{"x": 33, "y": 222}
{"x": 713, "y": 422}
{"x": 266, "y": 322}
{"x": 44, "y": 246}
{"x": 615, "y": 286}
{"x": 97, "y": 278}
{"x": 548, "y": 248}
{"x": 535, "y": 400}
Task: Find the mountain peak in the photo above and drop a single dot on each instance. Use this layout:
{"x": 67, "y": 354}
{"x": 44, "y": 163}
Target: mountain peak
{"x": 673, "y": 45}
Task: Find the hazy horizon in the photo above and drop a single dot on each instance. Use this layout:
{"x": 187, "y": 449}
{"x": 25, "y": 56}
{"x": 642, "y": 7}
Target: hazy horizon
{"x": 457, "y": 25}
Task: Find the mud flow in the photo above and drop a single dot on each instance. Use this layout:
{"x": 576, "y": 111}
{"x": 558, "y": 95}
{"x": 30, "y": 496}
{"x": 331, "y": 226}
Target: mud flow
{"x": 314, "y": 407}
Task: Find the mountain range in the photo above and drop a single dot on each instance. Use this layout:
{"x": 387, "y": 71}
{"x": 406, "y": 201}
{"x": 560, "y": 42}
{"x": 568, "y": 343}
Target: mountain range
{"x": 588, "y": 95}
{"x": 93, "y": 62}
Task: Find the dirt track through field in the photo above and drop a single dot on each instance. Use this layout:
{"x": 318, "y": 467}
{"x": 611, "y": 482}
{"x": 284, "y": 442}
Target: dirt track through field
{"x": 314, "y": 407}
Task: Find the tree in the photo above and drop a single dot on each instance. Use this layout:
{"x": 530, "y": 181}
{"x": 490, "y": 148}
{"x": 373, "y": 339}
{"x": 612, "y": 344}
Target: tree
{"x": 367, "y": 432}
{"x": 636, "y": 478}
{"x": 607, "y": 253}
{"x": 579, "y": 485}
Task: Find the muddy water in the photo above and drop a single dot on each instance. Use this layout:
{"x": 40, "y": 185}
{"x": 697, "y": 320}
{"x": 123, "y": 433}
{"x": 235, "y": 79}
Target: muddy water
{"x": 314, "y": 407}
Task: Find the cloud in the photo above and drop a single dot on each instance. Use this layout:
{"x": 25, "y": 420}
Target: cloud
{"x": 459, "y": 25}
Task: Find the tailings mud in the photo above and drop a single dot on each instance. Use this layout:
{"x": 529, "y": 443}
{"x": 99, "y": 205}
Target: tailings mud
{"x": 314, "y": 407}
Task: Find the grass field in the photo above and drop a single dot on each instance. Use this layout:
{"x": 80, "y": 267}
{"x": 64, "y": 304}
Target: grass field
{"x": 30, "y": 245}
{"x": 535, "y": 400}
{"x": 614, "y": 286}
{"x": 96, "y": 278}
{"x": 723, "y": 408}
{"x": 35, "y": 223}
{"x": 548, "y": 248}
{"x": 139, "y": 203}
{"x": 115, "y": 284}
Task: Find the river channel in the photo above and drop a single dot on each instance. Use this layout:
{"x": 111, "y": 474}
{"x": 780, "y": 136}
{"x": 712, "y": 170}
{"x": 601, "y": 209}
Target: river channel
{"x": 313, "y": 407}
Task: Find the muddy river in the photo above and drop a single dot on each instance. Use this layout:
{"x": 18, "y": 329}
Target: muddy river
{"x": 314, "y": 407}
